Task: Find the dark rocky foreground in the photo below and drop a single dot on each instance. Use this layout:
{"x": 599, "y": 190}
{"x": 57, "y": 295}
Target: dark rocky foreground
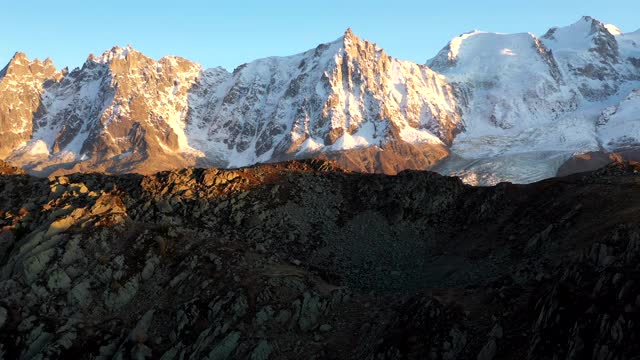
{"x": 301, "y": 260}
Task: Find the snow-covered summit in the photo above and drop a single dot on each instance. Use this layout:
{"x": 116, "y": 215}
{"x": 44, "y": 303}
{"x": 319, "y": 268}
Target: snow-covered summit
{"x": 581, "y": 35}
{"x": 512, "y": 81}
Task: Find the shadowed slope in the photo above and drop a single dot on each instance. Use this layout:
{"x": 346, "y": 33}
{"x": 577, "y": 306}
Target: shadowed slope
{"x": 302, "y": 259}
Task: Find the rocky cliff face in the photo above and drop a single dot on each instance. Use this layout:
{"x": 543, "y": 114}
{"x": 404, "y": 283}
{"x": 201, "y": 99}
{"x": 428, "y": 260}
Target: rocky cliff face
{"x": 119, "y": 109}
{"x": 488, "y": 108}
{"x": 305, "y": 260}
{"x": 21, "y": 84}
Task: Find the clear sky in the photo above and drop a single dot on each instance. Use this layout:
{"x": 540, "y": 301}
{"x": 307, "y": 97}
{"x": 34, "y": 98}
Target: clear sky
{"x": 229, "y": 33}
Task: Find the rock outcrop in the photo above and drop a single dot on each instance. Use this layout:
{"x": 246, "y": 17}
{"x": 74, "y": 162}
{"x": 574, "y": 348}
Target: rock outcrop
{"x": 306, "y": 260}
{"x": 8, "y": 169}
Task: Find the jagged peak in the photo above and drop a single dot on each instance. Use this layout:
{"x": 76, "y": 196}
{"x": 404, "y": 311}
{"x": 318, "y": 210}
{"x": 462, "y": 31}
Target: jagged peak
{"x": 349, "y": 42}
{"x": 126, "y": 52}
{"x": 347, "y": 39}
{"x": 584, "y": 27}
{"x": 587, "y": 18}
{"x": 587, "y": 34}
{"x": 20, "y": 61}
{"x": 350, "y": 39}
{"x": 16, "y": 59}
{"x": 349, "y": 36}
{"x": 589, "y": 21}
{"x": 19, "y": 55}
{"x": 597, "y": 24}
{"x": 115, "y": 52}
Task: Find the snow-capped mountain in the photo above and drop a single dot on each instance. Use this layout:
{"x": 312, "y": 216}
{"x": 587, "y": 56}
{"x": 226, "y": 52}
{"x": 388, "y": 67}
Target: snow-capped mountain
{"x": 489, "y": 107}
{"x": 534, "y": 102}
{"x": 123, "y": 111}
{"x": 344, "y": 95}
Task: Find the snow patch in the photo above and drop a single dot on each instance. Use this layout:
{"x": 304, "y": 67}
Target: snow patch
{"x": 34, "y": 148}
{"x": 310, "y": 145}
{"x": 348, "y": 142}
{"x": 507, "y": 52}
{"x": 416, "y": 136}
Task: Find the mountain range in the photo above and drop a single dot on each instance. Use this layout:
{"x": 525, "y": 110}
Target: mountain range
{"x": 489, "y": 107}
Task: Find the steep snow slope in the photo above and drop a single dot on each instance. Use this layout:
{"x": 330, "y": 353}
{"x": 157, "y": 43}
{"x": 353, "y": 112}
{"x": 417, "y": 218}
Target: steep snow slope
{"x": 629, "y": 47}
{"x": 619, "y": 126}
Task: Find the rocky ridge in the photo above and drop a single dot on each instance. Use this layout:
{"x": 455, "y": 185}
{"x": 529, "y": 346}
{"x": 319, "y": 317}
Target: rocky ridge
{"x": 306, "y": 260}
{"x": 8, "y": 169}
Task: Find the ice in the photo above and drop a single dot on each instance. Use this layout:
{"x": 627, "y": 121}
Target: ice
{"x": 524, "y": 167}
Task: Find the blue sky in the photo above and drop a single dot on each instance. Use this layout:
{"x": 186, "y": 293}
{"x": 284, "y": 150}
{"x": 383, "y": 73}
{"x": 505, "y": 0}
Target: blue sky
{"x": 229, "y": 33}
